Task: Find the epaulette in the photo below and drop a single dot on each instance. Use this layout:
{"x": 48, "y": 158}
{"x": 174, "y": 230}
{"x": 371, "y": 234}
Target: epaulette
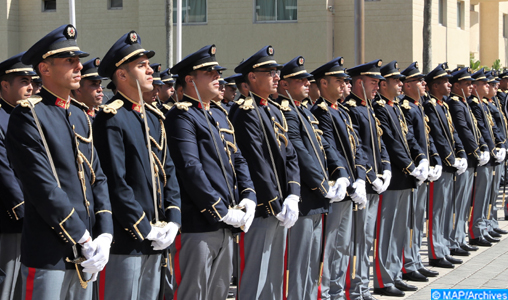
{"x": 80, "y": 104}
{"x": 323, "y": 106}
{"x": 351, "y": 103}
{"x": 396, "y": 101}
{"x": 381, "y": 102}
{"x": 455, "y": 98}
{"x": 500, "y": 90}
{"x": 112, "y": 107}
{"x": 247, "y": 104}
{"x": 433, "y": 101}
{"x": 168, "y": 106}
{"x": 183, "y": 105}
{"x": 284, "y": 105}
{"x": 34, "y": 100}
{"x": 304, "y": 103}
{"x": 485, "y": 101}
{"x": 475, "y": 100}
{"x": 239, "y": 101}
{"x": 405, "y": 105}
{"x": 155, "y": 110}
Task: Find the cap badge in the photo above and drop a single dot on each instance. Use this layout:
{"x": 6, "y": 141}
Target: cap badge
{"x": 396, "y": 65}
{"x": 213, "y": 49}
{"x": 97, "y": 62}
{"x": 341, "y": 61}
{"x": 416, "y": 64}
{"x": 379, "y": 63}
{"x": 270, "y": 50}
{"x": 301, "y": 60}
{"x": 71, "y": 32}
{"x": 134, "y": 37}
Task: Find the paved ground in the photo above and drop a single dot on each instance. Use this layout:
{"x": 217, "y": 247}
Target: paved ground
{"x": 485, "y": 268}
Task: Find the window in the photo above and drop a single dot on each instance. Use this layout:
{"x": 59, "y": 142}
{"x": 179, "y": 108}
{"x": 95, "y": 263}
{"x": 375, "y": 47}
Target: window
{"x": 48, "y": 5}
{"x": 193, "y": 11}
{"x": 115, "y": 4}
{"x": 442, "y": 12}
{"x": 505, "y": 26}
{"x": 460, "y": 14}
{"x": 275, "y": 10}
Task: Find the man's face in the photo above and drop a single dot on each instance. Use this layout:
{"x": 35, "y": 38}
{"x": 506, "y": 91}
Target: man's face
{"x": 207, "y": 82}
{"x": 151, "y": 96}
{"x": 480, "y": 89}
{"x": 64, "y": 72}
{"x": 335, "y": 87}
{"x": 371, "y": 86}
{"x": 267, "y": 80}
{"x": 19, "y": 89}
{"x": 503, "y": 84}
{"x": 36, "y": 87}
{"x": 443, "y": 86}
{"x": 298, "y": 88}
{"x": 90, "y": 92}
{"x": 394, "y": 86}
{"x": 492, "y": 90}
{"x": 347, "y": 89}
{"x": 465, "y": 86}
{"x": 140, "y": 70}
{"x": 314, "y": 91}
{"x": 167, "y": 90}
{"x": 229, "y": 93}
{"x": 220, "y": 96}
{"x": 415, "y": 87}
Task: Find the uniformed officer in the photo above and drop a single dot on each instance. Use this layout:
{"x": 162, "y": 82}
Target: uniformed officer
{"x": 144, "y": 190}
{"x": 499, "y": 119}
{"x": 365, "y": 79}
{"x": 36, "y": 84}
{"x": 347, "y": 89}
{"x": 273, "y": 163}
{"x": 313, "y": 91}
{"x": 454, "y": 159}
{"x": 323, "y": 178}
{"x": 396, "y": 209}
{"x": 152, "y": 97}
{"x": 90, "y": 89}
{"x": 220, "y": 96}
{"x": 243, "y": 92}
{"x": 478, "y": 231}
{"x": 229, "y": 93}
{"x": 50, "y": 146}
{"x": 417, "y": 123}
{"x": 166, "y": 91}
{"x": 15, "y": 84}
{"x": 338, "y": 131}
{"x": 213, "y": 177}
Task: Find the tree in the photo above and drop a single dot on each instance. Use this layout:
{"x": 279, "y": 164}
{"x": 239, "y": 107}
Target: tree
{"x": 427, "y": 36}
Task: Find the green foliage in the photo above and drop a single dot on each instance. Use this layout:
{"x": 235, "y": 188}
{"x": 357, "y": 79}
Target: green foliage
{"x": 497, "y": 64}
{"x": 474, "y": 64}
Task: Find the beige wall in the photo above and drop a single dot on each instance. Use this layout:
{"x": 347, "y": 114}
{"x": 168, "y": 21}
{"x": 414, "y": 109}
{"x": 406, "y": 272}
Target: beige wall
{"x": 393, "y": 30}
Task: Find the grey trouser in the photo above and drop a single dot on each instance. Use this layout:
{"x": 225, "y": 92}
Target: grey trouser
{"x": 130, "y": 277}
{"x": 482, "y": 189}
{"x": 492, "y": 221}
{"x": 170, "y": 274}
{"x": 337, "y": 249}
{"x": 463, "y": 192}
{"x": 439, "y": 205}
{"x": 391, "y": 233}
{"x": 304, "y": 260}
{"x": 204, "y": 262}
{"x": 412, "y": 258}
{"x": 9, "y": 262}
{"x": 365, "y": 222}
{"x": 262, "y": 251}
{"x": 42, "y": 284}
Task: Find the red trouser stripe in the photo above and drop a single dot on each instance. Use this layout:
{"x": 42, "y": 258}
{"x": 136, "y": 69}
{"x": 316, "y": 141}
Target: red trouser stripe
{"x": 471, "y": 221}
{"x": 431, "y": 215}
{"x": 102, "y": 284}
{"x": 403, "y": 262}
{"x": 178, "y": 273}
{"x": 348, "y": 281}
{"x": 30, "y": 284}
{"x": 378, "y": 225}
{"x": 286, "y": 270}
{"x": 241, "y": 262}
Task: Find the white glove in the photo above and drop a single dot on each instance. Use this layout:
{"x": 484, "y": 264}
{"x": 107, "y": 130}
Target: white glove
{"x": 377, "y": 185}
{"x": 481, "y": 159}
{"x": 423, "y": 166}
{"x": 463, "y": 166}
{"x": 387, "y": 178}
{"x": 438, "y": 171}
{"x": 333, "y": 190}
{"x": 250, "y": 212}
{"x": 486, "y": 157}
{"x": 341, "y": 184}
{"x": 234, "y": 217}
{"x": 360, "y": 195}
{"x": 98, "y": 261}
{"x": 88, "y": 249}
{"x": 168, "y": 239}
{"x": 416, "y": 173}
{"x": 289, "y": 214}
{"x": 156, "y": 233}
{"x": 500, "y": 155}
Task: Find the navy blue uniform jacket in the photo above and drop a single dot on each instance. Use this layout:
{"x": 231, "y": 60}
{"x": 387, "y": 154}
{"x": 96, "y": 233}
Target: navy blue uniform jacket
{"x": 121, "y": 143}
{"x": 56, "y": 217}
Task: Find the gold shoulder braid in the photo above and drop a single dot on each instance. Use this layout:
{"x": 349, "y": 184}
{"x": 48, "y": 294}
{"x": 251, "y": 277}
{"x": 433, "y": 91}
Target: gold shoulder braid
{"x": 285, "y": 105}
{"x": 405, "y": 105}
{"x": 183, "y": 105}
{"x": 351, "y": 103}
{"x": 112, "y": 107}
{"x": 323, "y": 106}
{"x": 247, "y": 104}
{"x": 34, "y": 99}
{"x": 381, "y": 102}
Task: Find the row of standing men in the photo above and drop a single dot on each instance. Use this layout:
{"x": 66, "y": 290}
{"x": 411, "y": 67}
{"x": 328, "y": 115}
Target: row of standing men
{"x": 305, "y": 188}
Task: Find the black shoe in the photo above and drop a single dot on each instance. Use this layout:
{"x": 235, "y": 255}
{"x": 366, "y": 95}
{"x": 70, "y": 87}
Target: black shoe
{"x": 401, "y": 285}
{"x": 414, "y": 276}
{"x": 389, "y": 291}
{"x": 428, "y": 273}
{"x": 453, "y": 260}
{"x": 480, "y": 242}
{"x": 468, "y": 247}
{"x": 441, "y": 263}
{"x": 491, "y": 239}
{"x": 501, "y": 231}
{"x": 368, "y": 297}
{"x": 494, "y": 234}
{"x": 459, "y": 252}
